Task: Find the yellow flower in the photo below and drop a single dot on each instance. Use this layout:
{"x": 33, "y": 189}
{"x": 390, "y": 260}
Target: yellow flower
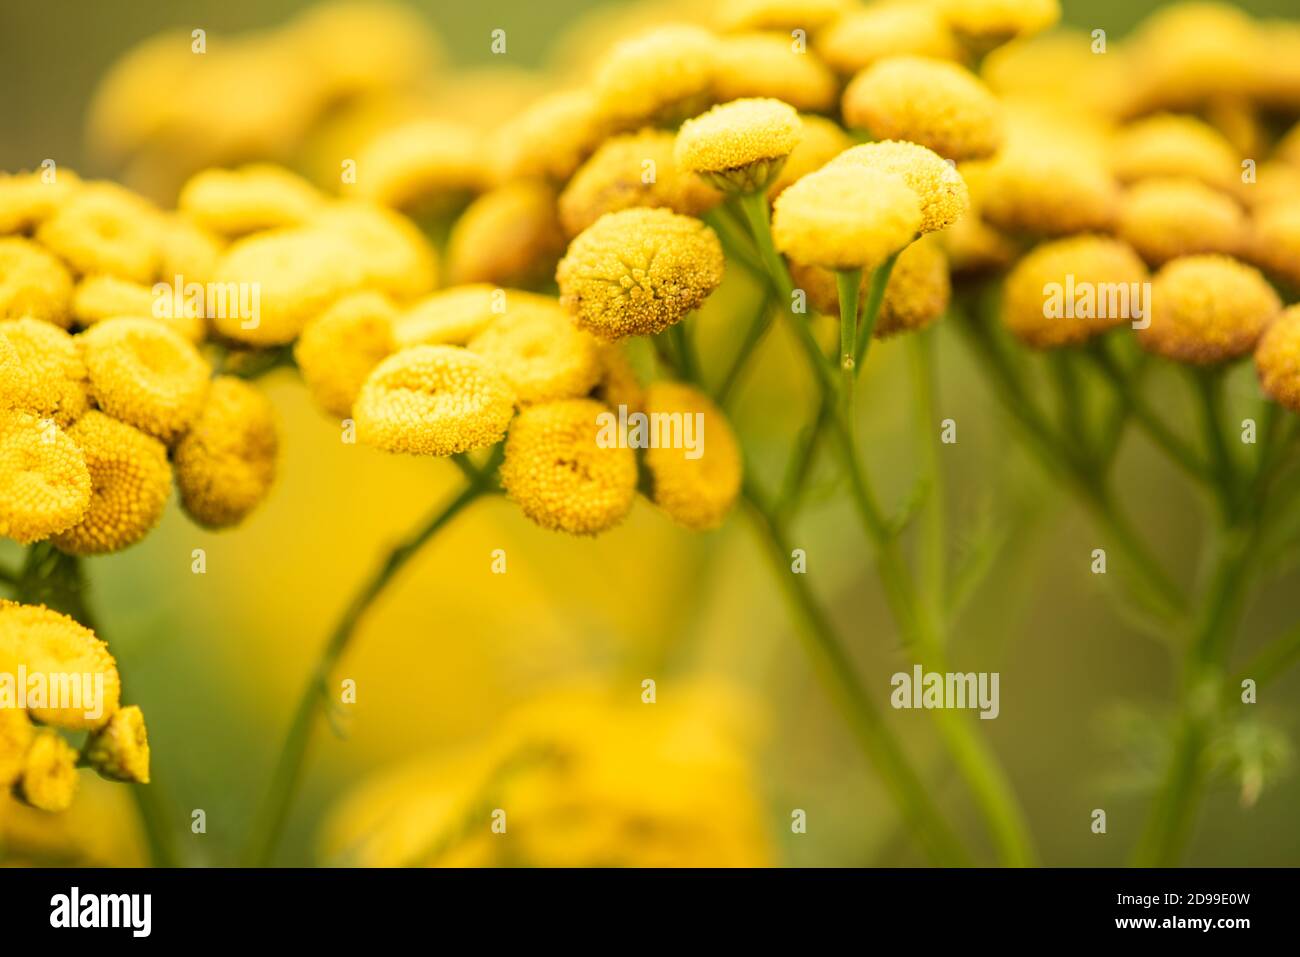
{"x": 1207, "y": 309}
{"x": 821, "y": 141}
{"x": 1166, "y": 218}
{"x": 1035, "y": 303}
{"x": 49, "y": 779}
{"x": 130, "y": 480}
{"x": 1167, "y": 145}
{"x": 433, "y": 400}
{"x": 783, "y": 15}
{"x": 739, "y": 146}
{"x": 186, "y": 250}
{"x": 560, "y": 474}
{"x": 635, "y": 169}
{"x": 1042, "y": 190}
{"x": 33, "y": 283}
{"x": 249, "y": 199}
{"x": 696, "y": 492}
{"x": 44, "y": 373}
{"x": 145, "y": 375}
{"x": 936, "y": 182}
{"x": 509, "y": 236}
{"x": 658, "y": 76}
{"x": 549, "y": 139}
{"x": 42, "y": 641}
{"x": 421, "y": 167}
{"x": 103, "y": 228}
{"x": 845, "y": 217}
{"x": 541, "y": 354}
{"x": 44, "y": 485}
{"x": 28, "y": 199}
{"x": 1277, "y": 359}
{"x": 768, "y": 65}
{"x": 638, "y": 271}
{"x": 106, "y": 297}
{"x": 338, "y": 350}
{"x": 120, "y": 750}
{"x": 225, "y": 464}
{"x": 932, "y": 102}
{"x": 858, "y": 38}
{"x": 295, "y": 273}
{"x": 395, "y": 257}
{"x": 993, "y": 22}
{"x": 1192, "y": 52}
{"x": 619, "y": 384}
{"x": 16, "y": 735}
{"x": 1275, "y": 240}
{"x": 452, "y": 316}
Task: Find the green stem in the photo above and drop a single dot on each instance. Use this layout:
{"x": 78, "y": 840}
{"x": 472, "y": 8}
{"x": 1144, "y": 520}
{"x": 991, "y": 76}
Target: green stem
{"x": 934, "y": 570}
{"x": 1272, "y": 661}
{"x": 871, "y": 310}
{"x": 1208, "y": 385}
{"x": 848, "y": 282}
{"x": 274, "y": 812}
{"x": 758, "y": 328}
{"x": 685, "y": 351}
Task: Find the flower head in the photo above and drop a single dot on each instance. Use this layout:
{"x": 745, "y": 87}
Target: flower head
{"x": 638, "y": 271}
{"x": 619, "y": 384}
{"x": 783, "y": 15}
{"x": 225, "y": 464}
{"x": 433, "y": 400}
{"x": 1277, "y": 359}
{"x": 936, "y": 182}
{"x": 16, "y": 735}
{"x": 249, "y": 199}
{"x": 120, "y": 750}
{"x": 509, "y": 236}
{"x": 860, "y": 37}
{"x": 768, "y": 65}
{"x": 558, "y": 472}
{"x": 186, "y": 249}
{"x": 1208, "y": 309}
{"x": 1042, "y": 190}
{"x": 820, "y": 142}
{"x": 739, "y": 146}
{"x": 1180, "y": 146}
{"x": 935, "y": 103}
{"x": 991, "y": 22}
{"x": 103, "y": 228}
{"x": 44, "y": 484}
{"x": 657, "y": 76}
{"x": 28, "y": 199}
{"x": 549, "y": 139}
{"x": 845, "y": 217}
{"x": 1166, "y": 218}
{"x": 130, "y": 480}
{"x": 1274, "y": 242}
{"x": 41, "y": 371}
{"x": 49, "y": 778}
{"x": 339, "y": 348}
{"x": 695, "y": 492}
{"x": 452, "y": 316}
{"x": 394, "y": 256}
{"x": 542, "y": 354}
{"x": 421, "y": 167}
{"x": 33, "y": 283}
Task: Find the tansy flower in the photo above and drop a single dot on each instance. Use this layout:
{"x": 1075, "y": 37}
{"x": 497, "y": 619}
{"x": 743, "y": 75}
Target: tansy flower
{"x": 249, "y": 199}
{"x": 1166, "y": 218}
{"x": 452, "y": 316}
{"x": 635, "y": 169}
{"x": 560, "y": 475}
{"x": 542, "y": 355}
{"x": 424, "y": 167}
{"x": 973, "y": 247}
{"x": 28, "y": 199}
{"x": 638, "y": 271}
{"x": 1275, "y": 240}
{"x": 783, "y": 15}
{"x": 1207, "y": 309}
{"x": 739, "y": 146}
{"x": 296, "y": 273}
{"x": 658, "y": 76}
{"x": 936, "y": 182}
{"x": 338, "y": 349}
{"x": 103, "y": 228}
{"x": 130, "y": 480}
{"x": 433, "y": 400}
{"x": 1192, "y": 52}
{"x": 1089, "y": 263}
{"x": 43, "y": 641}
{"x": 145, "y": 374}
{"x": 41, "y": 371}
{"x": 821, "y": 140}
{"x": 1277, "y": 359}
{"x": 1042, "y": 190}
{"x": 44, "y": 484}
{"x": 619, "y": 384}
{"x": 1180, "y": 146}
{"x": 16, "y": 735}
{"x": 33, "y": 283}
{"x": 768, "y": 65}
{"x": 695, "y": 492}
{"x": 120, "y": 750}
{"x": 187, "y": 250}
{"x": 845, "y": 217}
{"x": 549, "y": 139}
{"x": 106, "y": 297}
{"x": 225, "y": 464}
{"x": 858, "y": 38}
{"x": 509, "y": 236}
{"x": 49, "y": 778}
{"x": 989, "y": 23}
{"x": 932, "y": 102}
{"x": 394, "y": 256}
{"x": 1276, "y": 183}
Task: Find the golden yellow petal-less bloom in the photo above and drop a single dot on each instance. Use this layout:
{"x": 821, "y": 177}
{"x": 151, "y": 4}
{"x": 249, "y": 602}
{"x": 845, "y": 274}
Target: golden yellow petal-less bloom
{"x": 634, "y": 169}
{"x": 541, "y": 353}
{"x": 187, "y": 250}
{"x": 249, "y": 199}
{"x": 549, "y": 139}
{"x": 739, "y": 146}
{"x": 33, "y": 283}
{"x": 638, "y": 271}
{"x": 45, "y": 642}
{"x": 225, "y": 464}
{"x": 49, "y": 778}
{"x": 1274, "y": 243}
{"x": 991, "y": 22}
{"x": 1166, "y": 218}
{"x": 106, "y": 297}
{"x": 120, "y": 750}
{"x": 44, "y": 374}
{"x": 1277, "y": 359}
{"x": 769, "y": 65}
{"x": 659, "y": 76}
{"x": 1208, "y": 309}
{"x": 130, "y": 480}
{"x": 619, "y": 384}
{"x": 394, "y": 256}
{"x": 28, "y": 199}
{"x": 145, "y": 374}
{"x": 845, "y": 217}
{"x": 423, "y": 167}
{"x": 1168, "y": 145}
{"x": 452, "y": 316}
{"x": 509, "y": 236}
{"x": 783, "y": 15}
{"x": 1192, "y": 52}
{"x": 695, "y": 492}
{"x": 942, "y": 191}
{"x": 1069, "y": 290}
{"x": 16, "y": 734}
{"x": 560, "y": 474}
{"x": 339, "y": 349}
{"x": 433, "y": 400}
{"x": 1040, "y": 190}
{"x": 932, "y": 102}
{"x": 860, "y": 37}
{"x": 821, "y": 141}
{"x": 103, "y": 228}
{"x": 44, "y": 484}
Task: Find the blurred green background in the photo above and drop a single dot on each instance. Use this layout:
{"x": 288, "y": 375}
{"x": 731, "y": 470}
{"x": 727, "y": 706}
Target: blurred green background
{"x": 217, "y": 660}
